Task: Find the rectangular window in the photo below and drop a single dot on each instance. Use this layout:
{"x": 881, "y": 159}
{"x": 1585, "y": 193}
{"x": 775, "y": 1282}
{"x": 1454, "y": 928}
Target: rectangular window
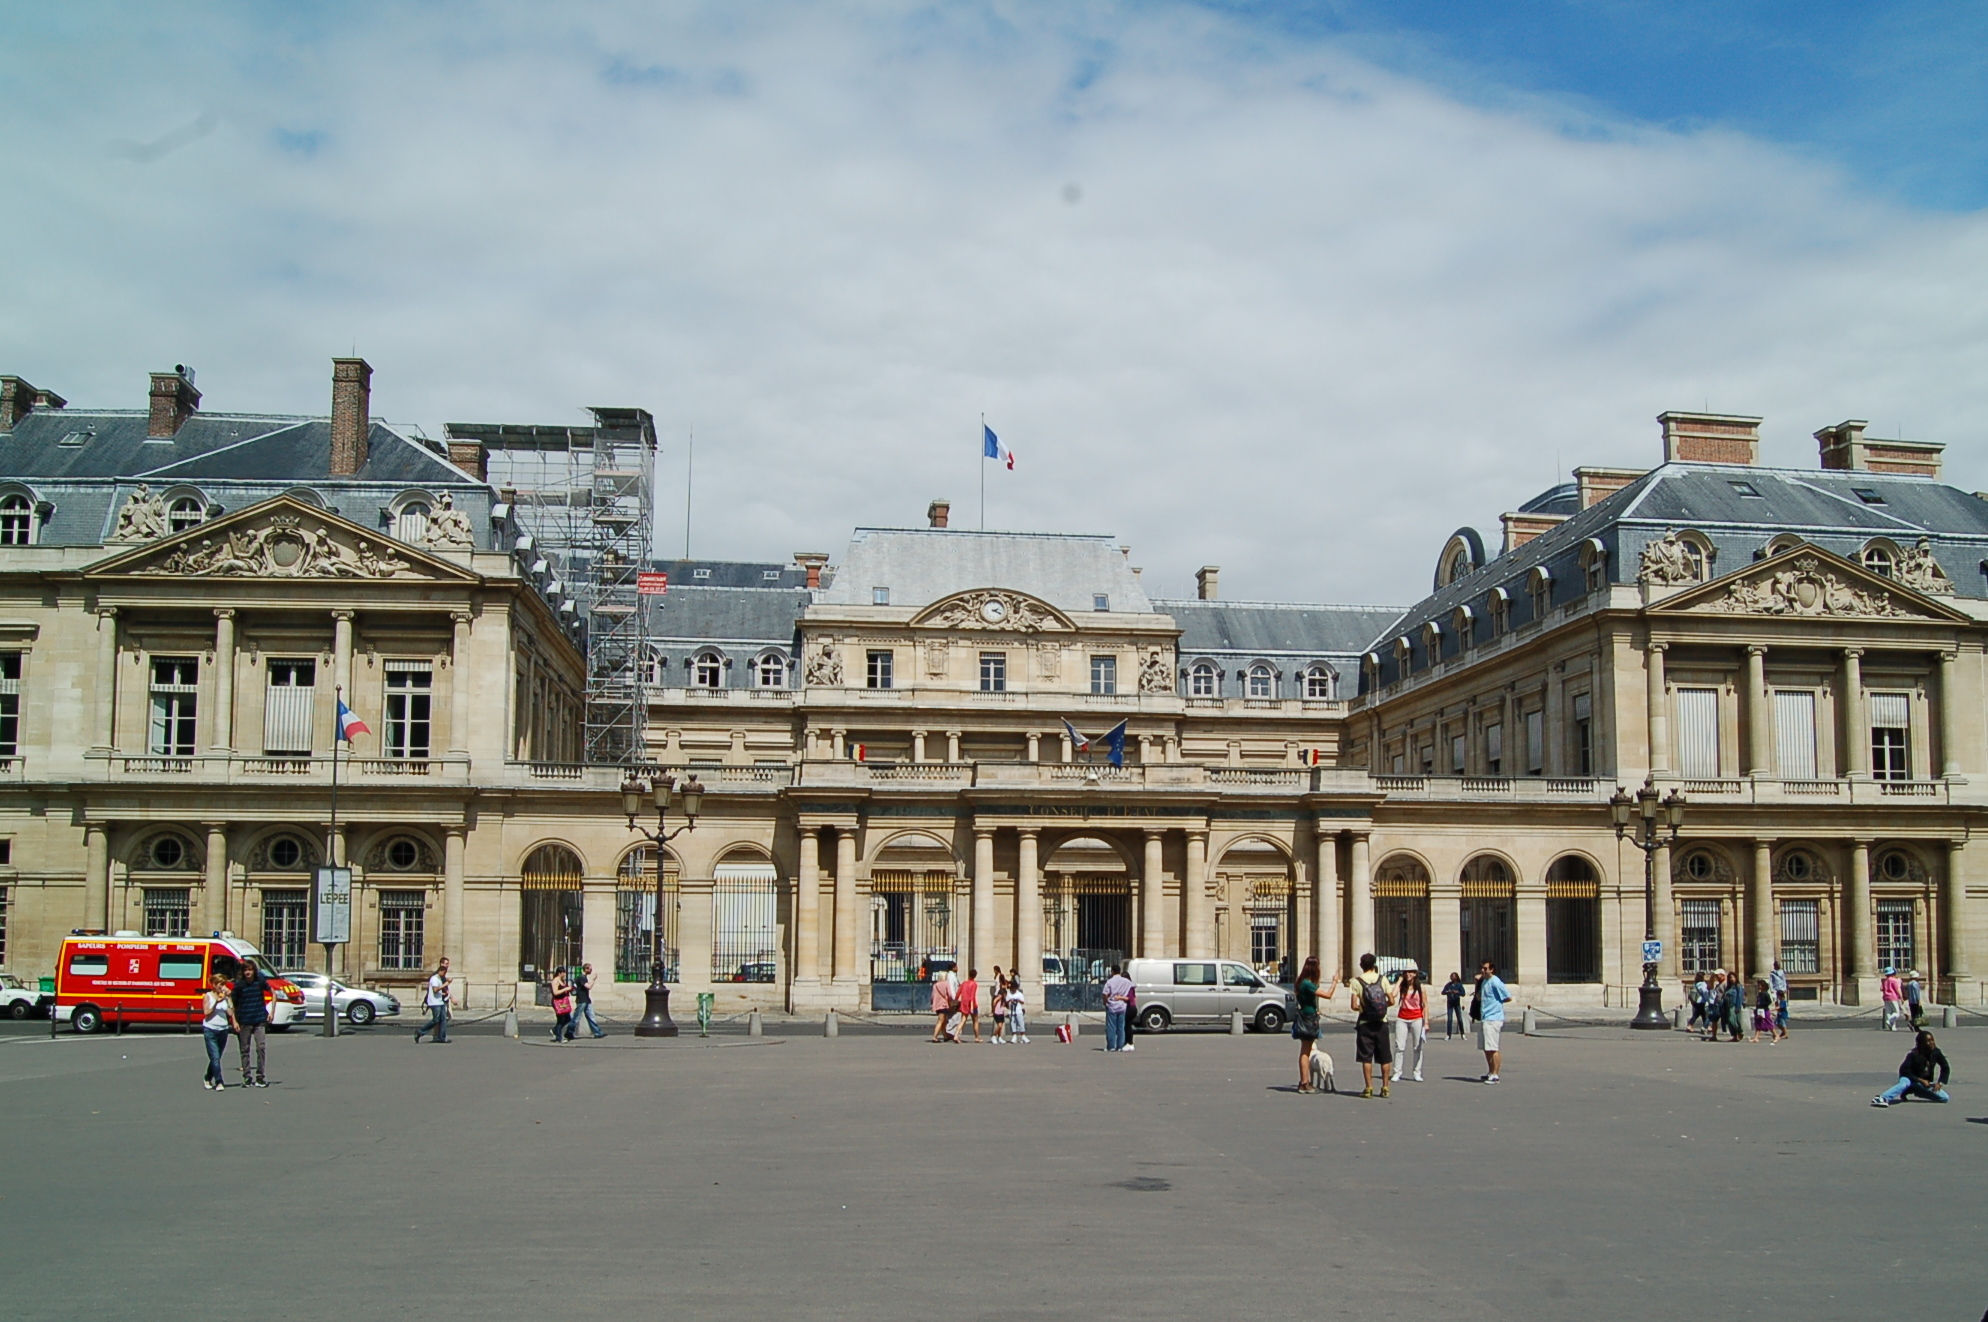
{"x": 402, "y": 916}
{"x": 408, "y": 708}
{"x": 167, "y": 910}
{"x": 1584, "y": 735}
{"x": 10, "y": 704}
{"x": 1535, "y": 742}
{"x": 286, "y": 930}
{"x": 1194, "y": 975}
{"x": 1896, "y": 948}
{"x": 993, "y": 672}
{"x": 175, "y": 700}
{"x": 1100, "y": 601}
{"x": 878, "y": 675}
{"x": 1891, "y": 722}
{"x": 1104, "y": 674}
{"x": 182, "y": 967}
{"x": 1456, "y": 755}
{"x": 1698, "y": 936}
{"x": 89, "y": 966}
{"x": 288, "y": 702}
{"x": 1698, "y": 733}
{"x": 1494, "y": 750}
{"x": 1801, "y": 936}
{"x": 1794, "y": 730}
{"x": 880, "y": 596}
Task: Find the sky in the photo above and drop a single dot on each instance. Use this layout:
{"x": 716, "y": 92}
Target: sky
{"x": 1293, "y": 289}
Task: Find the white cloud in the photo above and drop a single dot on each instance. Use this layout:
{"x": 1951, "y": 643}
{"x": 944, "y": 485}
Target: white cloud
{"x": 1305, "y": 318}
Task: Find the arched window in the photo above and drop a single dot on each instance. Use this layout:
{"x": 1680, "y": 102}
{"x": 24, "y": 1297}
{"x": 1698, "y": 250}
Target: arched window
{"x": 707, "y": 671}
{"x": 1500, "y": 606}
{"x": 1262, "y": 683}
{"x": 1539, "y": 587}
{"x": 1573, "y": 921}
{"x": 1698, "y": 555}
{"x": 1594, "y": 564}
{"x": 17, "y": 521}
{"x": 1880, "y": 558}
{"x": 1201, "y": 680}
{"x": 1464, "y": 621}
{"x": 658, "y": 669}
{"x": 186, "y": 512}
{"x": 771, "y": 671}
{"x": 410, "y": 519}
{"x": 1319, "y": 682}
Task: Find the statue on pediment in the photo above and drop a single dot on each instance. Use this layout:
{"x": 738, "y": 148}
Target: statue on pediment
{"x": 1666, "y": 561}
{"x": 448, "y": 527}
{"x": 1156, "y": 675}
{"x": 143, "y": 517}
{"x": 1805, "y": 588}
{"x": 825, "y": 667}
{"x": 281, "y": 550}
{"x": 1918, "y": 570}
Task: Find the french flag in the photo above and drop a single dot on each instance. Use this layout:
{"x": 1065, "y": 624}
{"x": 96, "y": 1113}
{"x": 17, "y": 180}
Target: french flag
{"x": 991, "y": 447}
{"x": 349, "y": 723}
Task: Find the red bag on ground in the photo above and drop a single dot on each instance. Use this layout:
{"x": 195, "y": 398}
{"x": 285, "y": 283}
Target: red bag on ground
{"x": 1062, "y": 1032}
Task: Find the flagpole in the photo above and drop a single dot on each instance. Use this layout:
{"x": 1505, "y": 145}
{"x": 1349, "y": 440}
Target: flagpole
{"x": 331, "y": 854}
{"x": 983, "y": 472}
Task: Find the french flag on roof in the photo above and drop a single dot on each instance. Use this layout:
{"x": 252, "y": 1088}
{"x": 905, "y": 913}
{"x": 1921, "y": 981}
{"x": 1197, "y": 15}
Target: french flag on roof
{"x": 991, "y": 447}
{"x": 349, "y": 723}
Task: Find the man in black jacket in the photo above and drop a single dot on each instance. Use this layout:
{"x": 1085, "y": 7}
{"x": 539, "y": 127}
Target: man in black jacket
{"x": 1917, "y": 1074}
{"x": 251, "y": 996}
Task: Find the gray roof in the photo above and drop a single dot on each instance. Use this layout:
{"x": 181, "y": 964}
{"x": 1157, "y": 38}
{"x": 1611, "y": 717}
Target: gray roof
{"x": 1261, "y": 628}
{"x": 924, "y": 565}
{"x": 743, "y": 615}
{"x": 732, "y": 573}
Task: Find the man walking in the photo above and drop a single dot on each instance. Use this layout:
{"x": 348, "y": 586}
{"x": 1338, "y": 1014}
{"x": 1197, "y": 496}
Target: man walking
{"x": 437, "y": 999}
{"x": 1492, "y": 993}
{"x": 251, "y": 997}
{"x": 1370, "y": 1045}
{"x": 1117, "y": 995}
{"x": 583, "y": 1001}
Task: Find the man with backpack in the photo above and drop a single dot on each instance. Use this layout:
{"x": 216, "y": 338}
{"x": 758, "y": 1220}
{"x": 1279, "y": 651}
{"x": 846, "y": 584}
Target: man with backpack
{"x": 1370, "y": 1037}
{"x": 1492, "y": 993}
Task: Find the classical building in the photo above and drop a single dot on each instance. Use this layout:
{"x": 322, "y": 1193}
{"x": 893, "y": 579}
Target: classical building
{"x": 990, "y": 748}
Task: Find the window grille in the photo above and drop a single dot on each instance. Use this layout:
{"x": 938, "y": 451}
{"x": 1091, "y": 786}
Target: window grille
{"x": 993, "y": 672}
{"x": 1698, "y": 936}
{"x": 1801, "y": 936}
{"x": 1891, "y": 720}
{"x": 911, "y": 924}
{"x": 410, "y": 522}
{"x": 402, "y": 917}
{"x": 168, "y": 910}
{"x": 10, "y": 704}
{"x": 1896, "y": 947}
{"x": 1104, "y": 674}
{"x": 1878, "y": 560}
{"x": 5, "y": 894}
{"x": 186, "y": 512}
{"x": 1265, "y": 931}
{"x": 409, "y": 700}
{"x": 286, "y": 931}
{"x": 745, "y": 922}
{"x": 175, "y": 705}
{"x": 635, "y": 916}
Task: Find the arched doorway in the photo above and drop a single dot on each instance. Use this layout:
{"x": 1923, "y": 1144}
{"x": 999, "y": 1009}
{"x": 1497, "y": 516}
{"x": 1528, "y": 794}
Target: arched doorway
{"x": 551, "y": 915}
{"x": 635, "y": 910}
{"x": 1488, "y": 920}
{"x": 1573, "y": 920}
{"x": 1401, "y": 911}
{"x": 745, "y": 917}
{"x": 915, "y": 902}
{"x": 1254, "y": 879}
{"x": 1086, "y": 920}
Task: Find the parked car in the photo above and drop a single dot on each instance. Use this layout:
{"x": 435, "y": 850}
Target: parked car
{"x": 760, "y": 971}
{"x": 1188, "y": 990}
{"x": 357, "y": 1004}
{"x": 20, "y": 1001}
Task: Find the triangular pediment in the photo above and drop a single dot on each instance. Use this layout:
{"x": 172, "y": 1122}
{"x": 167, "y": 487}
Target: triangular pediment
{"x": 284, "y": 538}
{"x": 994, "y": 608}
{"x": 1807, "y": 582}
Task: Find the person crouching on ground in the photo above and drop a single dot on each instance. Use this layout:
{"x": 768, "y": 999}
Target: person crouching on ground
{"x": 1305, "y": 1025}
{"x": 1916, "y": 1074}
{"x": 1411, "y": 1025}
{"x": 1370, "y": 1045}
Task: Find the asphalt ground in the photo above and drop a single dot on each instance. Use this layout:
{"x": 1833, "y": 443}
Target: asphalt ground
{"x": 1611, "y": 1174}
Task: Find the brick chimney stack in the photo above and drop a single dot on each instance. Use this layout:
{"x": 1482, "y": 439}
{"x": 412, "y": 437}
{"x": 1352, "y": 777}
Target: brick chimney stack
{"x": 351, "y": 414}
{"x": 1204, "y": 581}
{"x": 174, "y": 400}
{"x": 18, "y": 399}
{"x": 814, "y": 562}
{"x": 468, "y": 455}
{"x": 1710, "y": 438}
{"x": 1845, "y": 448}
{"x": 939, "y": 513}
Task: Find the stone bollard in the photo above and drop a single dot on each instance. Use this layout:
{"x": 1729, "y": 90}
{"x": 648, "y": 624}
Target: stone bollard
{"x": 831, "y": 1026}
{"x": 754, "y": 1028}
{"x": 1677, "y": 1016}
{"x": 1950, "y": 1017}
{"x": 1530, "y": 1024}
{"x": 511, "y": 1022}
{"x": 1235, "y": 1023}
{"x": 1070, "y": 1022}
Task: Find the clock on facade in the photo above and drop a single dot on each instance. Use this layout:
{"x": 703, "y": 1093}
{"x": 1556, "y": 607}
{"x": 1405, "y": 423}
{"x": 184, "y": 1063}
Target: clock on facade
{"x": 993, "y": 610}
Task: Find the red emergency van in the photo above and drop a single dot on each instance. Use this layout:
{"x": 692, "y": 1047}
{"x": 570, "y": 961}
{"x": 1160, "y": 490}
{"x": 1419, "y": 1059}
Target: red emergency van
{"x": 132, "y": 979}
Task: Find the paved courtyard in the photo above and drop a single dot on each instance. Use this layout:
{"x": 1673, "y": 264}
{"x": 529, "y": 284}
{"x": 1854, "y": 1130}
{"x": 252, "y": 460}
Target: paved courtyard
{"x": 875, "y": 1175}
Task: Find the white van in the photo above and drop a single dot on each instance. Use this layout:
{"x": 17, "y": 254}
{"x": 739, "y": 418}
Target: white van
{"x": 1191, "y": 991}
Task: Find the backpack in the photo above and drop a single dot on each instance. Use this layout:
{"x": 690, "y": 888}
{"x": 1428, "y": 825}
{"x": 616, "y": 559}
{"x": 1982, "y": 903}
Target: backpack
{"x": 1373, "y": 1000}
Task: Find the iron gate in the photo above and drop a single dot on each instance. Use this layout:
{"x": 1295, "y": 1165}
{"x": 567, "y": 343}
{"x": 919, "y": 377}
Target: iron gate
{"x": 912, "y": 936}
{"x": 1086, "y": 929}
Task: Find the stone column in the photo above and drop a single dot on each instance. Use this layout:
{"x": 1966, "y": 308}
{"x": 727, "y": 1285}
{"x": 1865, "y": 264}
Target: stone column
{"x": 1758, "y": 743}
{"x": 106, "y": 678}
{"x": 1954, "y": 911}
{"x": 1529, "y": 911}
{"x": 1665, "y": 920}
{"x": 845, "y": 906}
{"x": 952, "y": 745}
{"x": 1028, "y": 916}
{"x": 1860, "y": 954}
{"x": 214, "y": 886}
{"x": 223, "y": 725}
{"x": 459, "y": 680}
{"x": 693, "y": 931}
{"x": 1853, "y": 756}
{"x": 983, "y": 951}
{"x": 1325, "y": 904}
{"x": 1035, "y": 745}
{"x": 341, "y": 657}
{"x": 454, "y": 921}
{"x": 1760, "y": 910}
{"x": 1152, "y": 907}
{"x": 96, "y": 876}
{"x": 1360, "y": 899}
{"x": 838, "y": 744}
{"x": 917, "y": 745}
{"x": 807, "y": 914}
{"x": 1069, "y": 750}
{"x": 1659, "y": 703}
{"x": 597, "y": 934}
{"x": 1200, "y": 910}
{"x": 1950, "y": 714}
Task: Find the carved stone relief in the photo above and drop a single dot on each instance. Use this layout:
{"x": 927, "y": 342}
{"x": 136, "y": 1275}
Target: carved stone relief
{"x": 283, "y": 549}
{"x": 825, "y": 667}
{"x": 142, "y": 518}
{"x": 938, "y": 655}
{"x": 1666, "y": 561}
{"x": 1918, "y": 570}
{"x": 448, "y": 527}
{"x": 1156, "y": 673}
{"x": 1007, "y": 612}
{"x": 1806, "y": 588}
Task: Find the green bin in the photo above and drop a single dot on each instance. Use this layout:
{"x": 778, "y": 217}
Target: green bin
{"x": 48, "y": 984}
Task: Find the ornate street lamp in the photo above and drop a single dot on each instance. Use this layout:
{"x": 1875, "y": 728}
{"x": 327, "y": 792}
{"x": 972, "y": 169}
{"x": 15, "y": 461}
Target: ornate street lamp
{"x": 635, "y": 796}
{"x": 1643, "y": 819}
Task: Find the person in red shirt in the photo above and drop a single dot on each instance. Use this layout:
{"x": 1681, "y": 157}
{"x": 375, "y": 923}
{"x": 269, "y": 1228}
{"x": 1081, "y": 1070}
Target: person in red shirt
{"x": 1411, "y": 1025}
{"x": 969, "y": 1006}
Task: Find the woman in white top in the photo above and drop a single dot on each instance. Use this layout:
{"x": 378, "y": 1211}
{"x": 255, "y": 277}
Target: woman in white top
{"x": 217, "y": 1018}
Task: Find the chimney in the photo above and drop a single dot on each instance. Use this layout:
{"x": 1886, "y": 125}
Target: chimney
{"x": 1844, "y": 448}
{"x": 18, "y": 399}
{"x": 938, "y": 513}
{"x": 1710, "y": 438}
{"x": 1598, "y": 484}
{"x": 1522, "y": 528}
{"x": 174, "y": 400}
{"x": 813, "y": 562}
{"x": 1204, "y": 581}
{"x": 351, "y": 420}
{"x": 468, "y": 455}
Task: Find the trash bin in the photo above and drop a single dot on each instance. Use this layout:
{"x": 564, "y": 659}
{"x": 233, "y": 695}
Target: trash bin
{"x": 705, "y": 1000}
{"x": 48, "y": 984}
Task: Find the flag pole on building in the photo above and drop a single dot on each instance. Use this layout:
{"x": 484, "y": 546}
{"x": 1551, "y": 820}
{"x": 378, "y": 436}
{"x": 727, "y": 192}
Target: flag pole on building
{"x": 983, "y": 473}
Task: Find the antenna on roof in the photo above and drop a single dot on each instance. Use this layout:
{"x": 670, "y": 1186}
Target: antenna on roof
{"x": 689, "y": 471}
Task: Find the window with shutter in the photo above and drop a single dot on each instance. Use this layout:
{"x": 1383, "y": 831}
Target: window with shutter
{"x": 1891, "y": 722}
{"x": 288, "y": 701}
{"x": 1794, "y": 729}
{"x": 1698, "y": 733}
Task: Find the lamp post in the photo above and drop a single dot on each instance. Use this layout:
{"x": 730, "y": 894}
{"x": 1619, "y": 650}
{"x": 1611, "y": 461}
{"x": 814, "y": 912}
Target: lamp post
{"x": 635, "y": 796}
{"x": 1642, "y": 820}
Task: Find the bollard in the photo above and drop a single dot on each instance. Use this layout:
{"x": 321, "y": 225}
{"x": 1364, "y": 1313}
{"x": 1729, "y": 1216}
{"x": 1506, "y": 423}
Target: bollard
{"x": 1950, "y": 1017}
{"x": 1235, "y": 1023}
{"x": 1531, "y": 1023}
{"x": 120, "y": 1019}
{"x": 511, "y": 1022}
{"x": 1070, "y": 1022}
{"x": 754, "y": 1027}
{"x": 1677, "y": 1016}
{"x": 831, "y": 1026}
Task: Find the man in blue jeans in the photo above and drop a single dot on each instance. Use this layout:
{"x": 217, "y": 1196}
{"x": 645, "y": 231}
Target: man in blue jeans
{"x": 583, "y": 1001}
{"x": 1916, "y": 1075}
{"x": 437, "y": 1000}
{"x": 1117, "y": 995}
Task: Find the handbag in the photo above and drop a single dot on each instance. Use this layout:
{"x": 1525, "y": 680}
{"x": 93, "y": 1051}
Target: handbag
{"x": 1306, "y": 1025}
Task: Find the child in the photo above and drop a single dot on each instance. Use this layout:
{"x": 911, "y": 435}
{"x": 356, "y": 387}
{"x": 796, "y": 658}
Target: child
{"x": 1763, "y": 1011}
{"x": 997, "y": 1006}
{"x": 1018, "y": 1020}
{"x": 1781, "y": 1016}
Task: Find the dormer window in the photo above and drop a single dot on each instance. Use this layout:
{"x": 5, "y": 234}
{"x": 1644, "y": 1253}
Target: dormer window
{"x": 1319, "y": 683}
{"x": 1878, "y": 558}
{"x": 707, "y": 671}
{"x": 1868, "y": 495}
{"x": 1100, "y": 601}
{"x": 1463, "y": 622}
{"x": 1501, "y": 612}
{"x": 1201, "y": 680}
{"x": 410, "y": 519}
{"x": 17, "y": 521}
{"x": 880, "y": 596}
{"x": 1539, "y": 587}
{"x": 769, "y": 575}
{"x": 186, "y": 512}
{"x": 771, "y": 672}
{"x": 1746, "y": 489}
{"x": 1262, "y": 683}
{"x": 700, "y": 573}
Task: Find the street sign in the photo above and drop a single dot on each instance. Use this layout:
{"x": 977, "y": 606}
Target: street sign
{"x": 1653, "y": 952}
{"x": 651, "y": 583}
{"x": 334, "y": 906}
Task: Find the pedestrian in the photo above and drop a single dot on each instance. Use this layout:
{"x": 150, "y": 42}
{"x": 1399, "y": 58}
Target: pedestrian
{"x": 969, "y": 1006}
{"x": 1018, "y": 1018}
{"x": 1492, "y": 993}
{"x": 1916, "y": 1074}
{"x": 1370, "y": 1006}
{"x": 583, "y": 1002}
{"x": 1777, "y": 980}
{"x": 953, "y": 1020}
{"x": 1890, "y": 993}
{"x": 1453, "y": 1001}
{"x": 562, "y": 1006}
{"x": 1411, "y": 1025}
{"x": 217, "y": 1019}
{"x": 437, "y": 999}
{"x": 1117, "y": 988}
{"x": 1131, "y": 1014}
{"x": 1763, "y": 1011}
{"x": 997, "y": 1006}
{"x": 249, "y": 995}
{"x": 942, "y": 1006}
{"x": 1736, "y": 1007}
{"x": 1913, "y": 993}
{"x": 1305, "y": 1025}
{"x": 1699, "y": 993}
{"x": 1781, "y": 1017}
{"x": 1715, "y": 1005}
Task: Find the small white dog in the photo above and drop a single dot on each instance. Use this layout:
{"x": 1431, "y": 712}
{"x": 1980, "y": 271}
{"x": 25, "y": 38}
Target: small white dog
{"x": 1320, "y": 1066}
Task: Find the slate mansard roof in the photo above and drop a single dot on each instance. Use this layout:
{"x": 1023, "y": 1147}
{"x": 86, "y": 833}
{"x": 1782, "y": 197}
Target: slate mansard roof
{"x": 924, "y": 565}
{"x": 1268, "y": 629}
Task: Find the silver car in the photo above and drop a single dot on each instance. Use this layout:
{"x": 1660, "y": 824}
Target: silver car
{"x": 358, "y": 1004}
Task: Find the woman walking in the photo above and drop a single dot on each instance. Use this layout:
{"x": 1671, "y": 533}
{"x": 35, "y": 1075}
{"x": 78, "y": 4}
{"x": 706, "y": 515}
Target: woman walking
{"x": 1305, "y": 1027}
{"x": 1763, "y": 1012}
{"x": 943, "y": 1006}
{"x": 1411, "y": 1025}
{"x": 217, "y": 1017}
{"x": 1736, "y": 1007}
{"x": 562, "y": 1006}
{"x": 1453, "y": 1000}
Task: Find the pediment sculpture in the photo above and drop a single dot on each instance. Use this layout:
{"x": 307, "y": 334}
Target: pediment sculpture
{"x": 1807, "y": 587}
{"x": 142, "y": 518}
{"x": 285, "y": 548}
{"x": 1918, "y": 570}
{"x": 1666, "y": 561}
{"x": 825, "y": 667}
{"x": 448, "y": 527}
{"x": 1007, "y": 612}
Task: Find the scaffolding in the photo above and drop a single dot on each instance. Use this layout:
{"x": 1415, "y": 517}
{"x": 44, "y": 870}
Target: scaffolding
{"x": 583, "y": 496}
